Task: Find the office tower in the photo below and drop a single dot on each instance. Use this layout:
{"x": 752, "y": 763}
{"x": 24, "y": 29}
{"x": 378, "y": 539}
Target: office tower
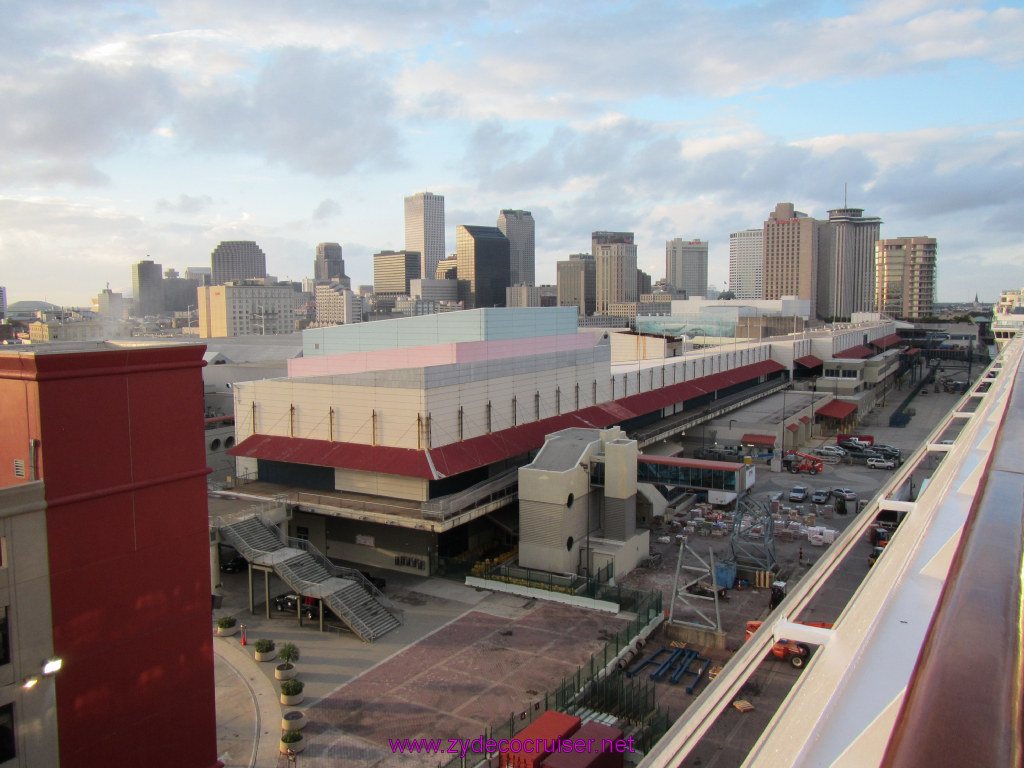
{"x": 106, "y": 557}
{"x": 3, "y": 302}
{"x": 147, "y": 287}
{"x": 905, "y": 275}
{"x": 846, "y": 263}
{"x": 643, "y": 283}
{"x": 202, "y": 275}
{"x": 577, "y": 283}
{"x": 337, "y": 305}
{"x": 392, "y": 271}
{"x": 179, "y": 293}
{"x": 483, "y": 263}
{"x": 522, "y": 296}
{"x": 447, "y": 268}
{"x": 615, "y": 257}
{"x": 790, "y": 255}
{"x": 424, "y": 229}
{"x": 746, "y": 263}
{"x": 518, "y": 227}
{"x": 236, "y": 260}
{"x": 111, "y": 305}
{"x": 686, "y": 266}
{"x": 328, "y": 264}
{"x": 245, "y": 309}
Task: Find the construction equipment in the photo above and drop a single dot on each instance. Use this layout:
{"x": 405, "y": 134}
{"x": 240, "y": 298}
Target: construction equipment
{"x": 795, "y": 462}
{"x": 797, "y": 653}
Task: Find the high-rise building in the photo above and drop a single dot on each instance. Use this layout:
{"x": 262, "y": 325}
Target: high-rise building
{"x": 424, "y": 229}
{"x": 179, "y": 292}
{"x": 102, "y": 511}
{"x": 643, "y": 283}
{"x": 111, "y": 305}
{"x": 236, "y": 260}
{"x": 245, "y": 309}
{"x": 746, "y": 263}
{"x": 147, "y": 287}
{"x": 577, "y": 283}
{"x": 790, "y": 255}
{"x": 905, "y": 275}
{"x": 328, "y": 264}
{"x": 202, "y": 275}
{"x": 447, "y": 268}
{"x": 846, "y": 263}
{"x": 483, "y": 264}
{"x": 3, "y": 302}
{"x": 522, "y": 296}
{"x": 615, "y": 259}
{"x": 686, "y": 266}
{"x": 337, "y": 305}
{"x": 393, "y": 270}
{"x": 518, "y": 227}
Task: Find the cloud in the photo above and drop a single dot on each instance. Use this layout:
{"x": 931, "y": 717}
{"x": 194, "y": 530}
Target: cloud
{"x": 327, "y": 209}
{"x": 185, "y": 204}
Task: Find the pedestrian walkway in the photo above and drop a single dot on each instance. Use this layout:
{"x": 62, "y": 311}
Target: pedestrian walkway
{"x": 248, "y": 710}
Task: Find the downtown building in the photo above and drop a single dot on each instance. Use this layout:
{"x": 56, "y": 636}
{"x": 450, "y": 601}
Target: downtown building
{"x": 329, "y": 266}
{"x": 424, "y": 229}
{"x": 482, "y": 257}
{"x": 237, "y": 260}
{"x": 791, "y": 242}
{"x": 576, "y": 279}
{"x": 246, "y": 309}
{"x": 686, "y": 266}
{"x": 746, "y": 263}
{"x": 336, "y": 304}
{"x": 393, "y": 271}
{"x": 147, "y": 288}
{"x": 846, "y": 263}
{"x": 616, "y": 270}
{"x": 519, "y": 228}
{"x": 906, "y": 277}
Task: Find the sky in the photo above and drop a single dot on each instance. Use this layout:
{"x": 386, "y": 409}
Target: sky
{"x": 156, "y": 130}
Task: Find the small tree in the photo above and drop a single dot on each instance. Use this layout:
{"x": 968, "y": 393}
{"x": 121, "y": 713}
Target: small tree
{"x": 289, "y": 653}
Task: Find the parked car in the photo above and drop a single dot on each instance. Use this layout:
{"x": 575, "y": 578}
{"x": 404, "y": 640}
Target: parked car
{"x": 821, "y": 496}
{"x": 291, "y": 602}
{"x": 881, "y": 463}
{"x": 799, "y": 493}
{"x": 234, "y": 565}
{"x": 844, "y": 493}
{"x": 830, "y": 450}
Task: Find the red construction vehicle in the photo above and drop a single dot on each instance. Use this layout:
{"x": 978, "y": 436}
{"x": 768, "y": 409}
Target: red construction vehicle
{"x": 800, "y": 462}
{"x": 797, "y": 653}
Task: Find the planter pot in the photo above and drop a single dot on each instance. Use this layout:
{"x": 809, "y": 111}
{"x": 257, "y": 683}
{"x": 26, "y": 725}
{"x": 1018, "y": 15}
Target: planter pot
{"x": 285, "y": 671}
{"x": 222, "y": 632}
{"x": 268, "y": 656}
{"x": 295, "y": 746}
{"x": 293, "y": 721}
{"x": 291, "y": 700}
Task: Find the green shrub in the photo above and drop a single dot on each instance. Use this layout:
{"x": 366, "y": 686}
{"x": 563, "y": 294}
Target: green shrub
{"x": 290, "y": 737}
{"x": 226, "y": 622}
{"x": 264, "y": 646}
{"x": 292, "y": 687}
{"x": 288, "y": 653}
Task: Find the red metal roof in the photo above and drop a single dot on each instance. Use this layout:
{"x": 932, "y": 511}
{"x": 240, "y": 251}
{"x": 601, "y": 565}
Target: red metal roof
{"x": 809, "y": 361}
{"x": 855, "y": 353}
{"x": 792, "y": 427}
{"x": 455, "y": 458}
{"x": 752, "y": 439}
{"x": 805, "y": 419}
{"x": 837, "y": 409}
{"x": 887, "y": 341}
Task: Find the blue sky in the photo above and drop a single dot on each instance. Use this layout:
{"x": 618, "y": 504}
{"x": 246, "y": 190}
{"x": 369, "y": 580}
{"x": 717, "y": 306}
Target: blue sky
{"x": 159, "y": 129}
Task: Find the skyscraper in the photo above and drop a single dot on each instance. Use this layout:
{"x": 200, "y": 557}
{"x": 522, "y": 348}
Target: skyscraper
{"x": 686, "y": 266}
{"x": 846, "y": 263}
{"x": 905, "y": 276}
{"x": 518, "y": 227}
{"x": 615, "y": 259}
{"x": 424, "y": 229}
{"x": 329, "y": 265}
{"x": 746, "y": 263}
{"x": 236, "y": 260}
{"x": 393, "y": 271}
{"x": 147, "y": 288}
{"x": 483, "y": 266}
{"x": 577, "y": 283}
{"x": 790, "y": 255}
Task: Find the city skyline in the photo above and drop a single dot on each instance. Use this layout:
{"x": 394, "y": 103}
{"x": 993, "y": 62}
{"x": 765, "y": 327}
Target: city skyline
{"x": 209, "y": 130}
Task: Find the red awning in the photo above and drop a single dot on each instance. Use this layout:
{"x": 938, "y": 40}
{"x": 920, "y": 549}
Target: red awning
{"x": 750, "y": 439}
{"x": 858, "y": 352}
{"x": 887, "y": 341}
{"x": 809, "y": 361}
{"x": 912, "y": 351}
{"x": 837, "y": 409}
{"x": 792, "y": 427}
{"x": 805, "y": 419}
